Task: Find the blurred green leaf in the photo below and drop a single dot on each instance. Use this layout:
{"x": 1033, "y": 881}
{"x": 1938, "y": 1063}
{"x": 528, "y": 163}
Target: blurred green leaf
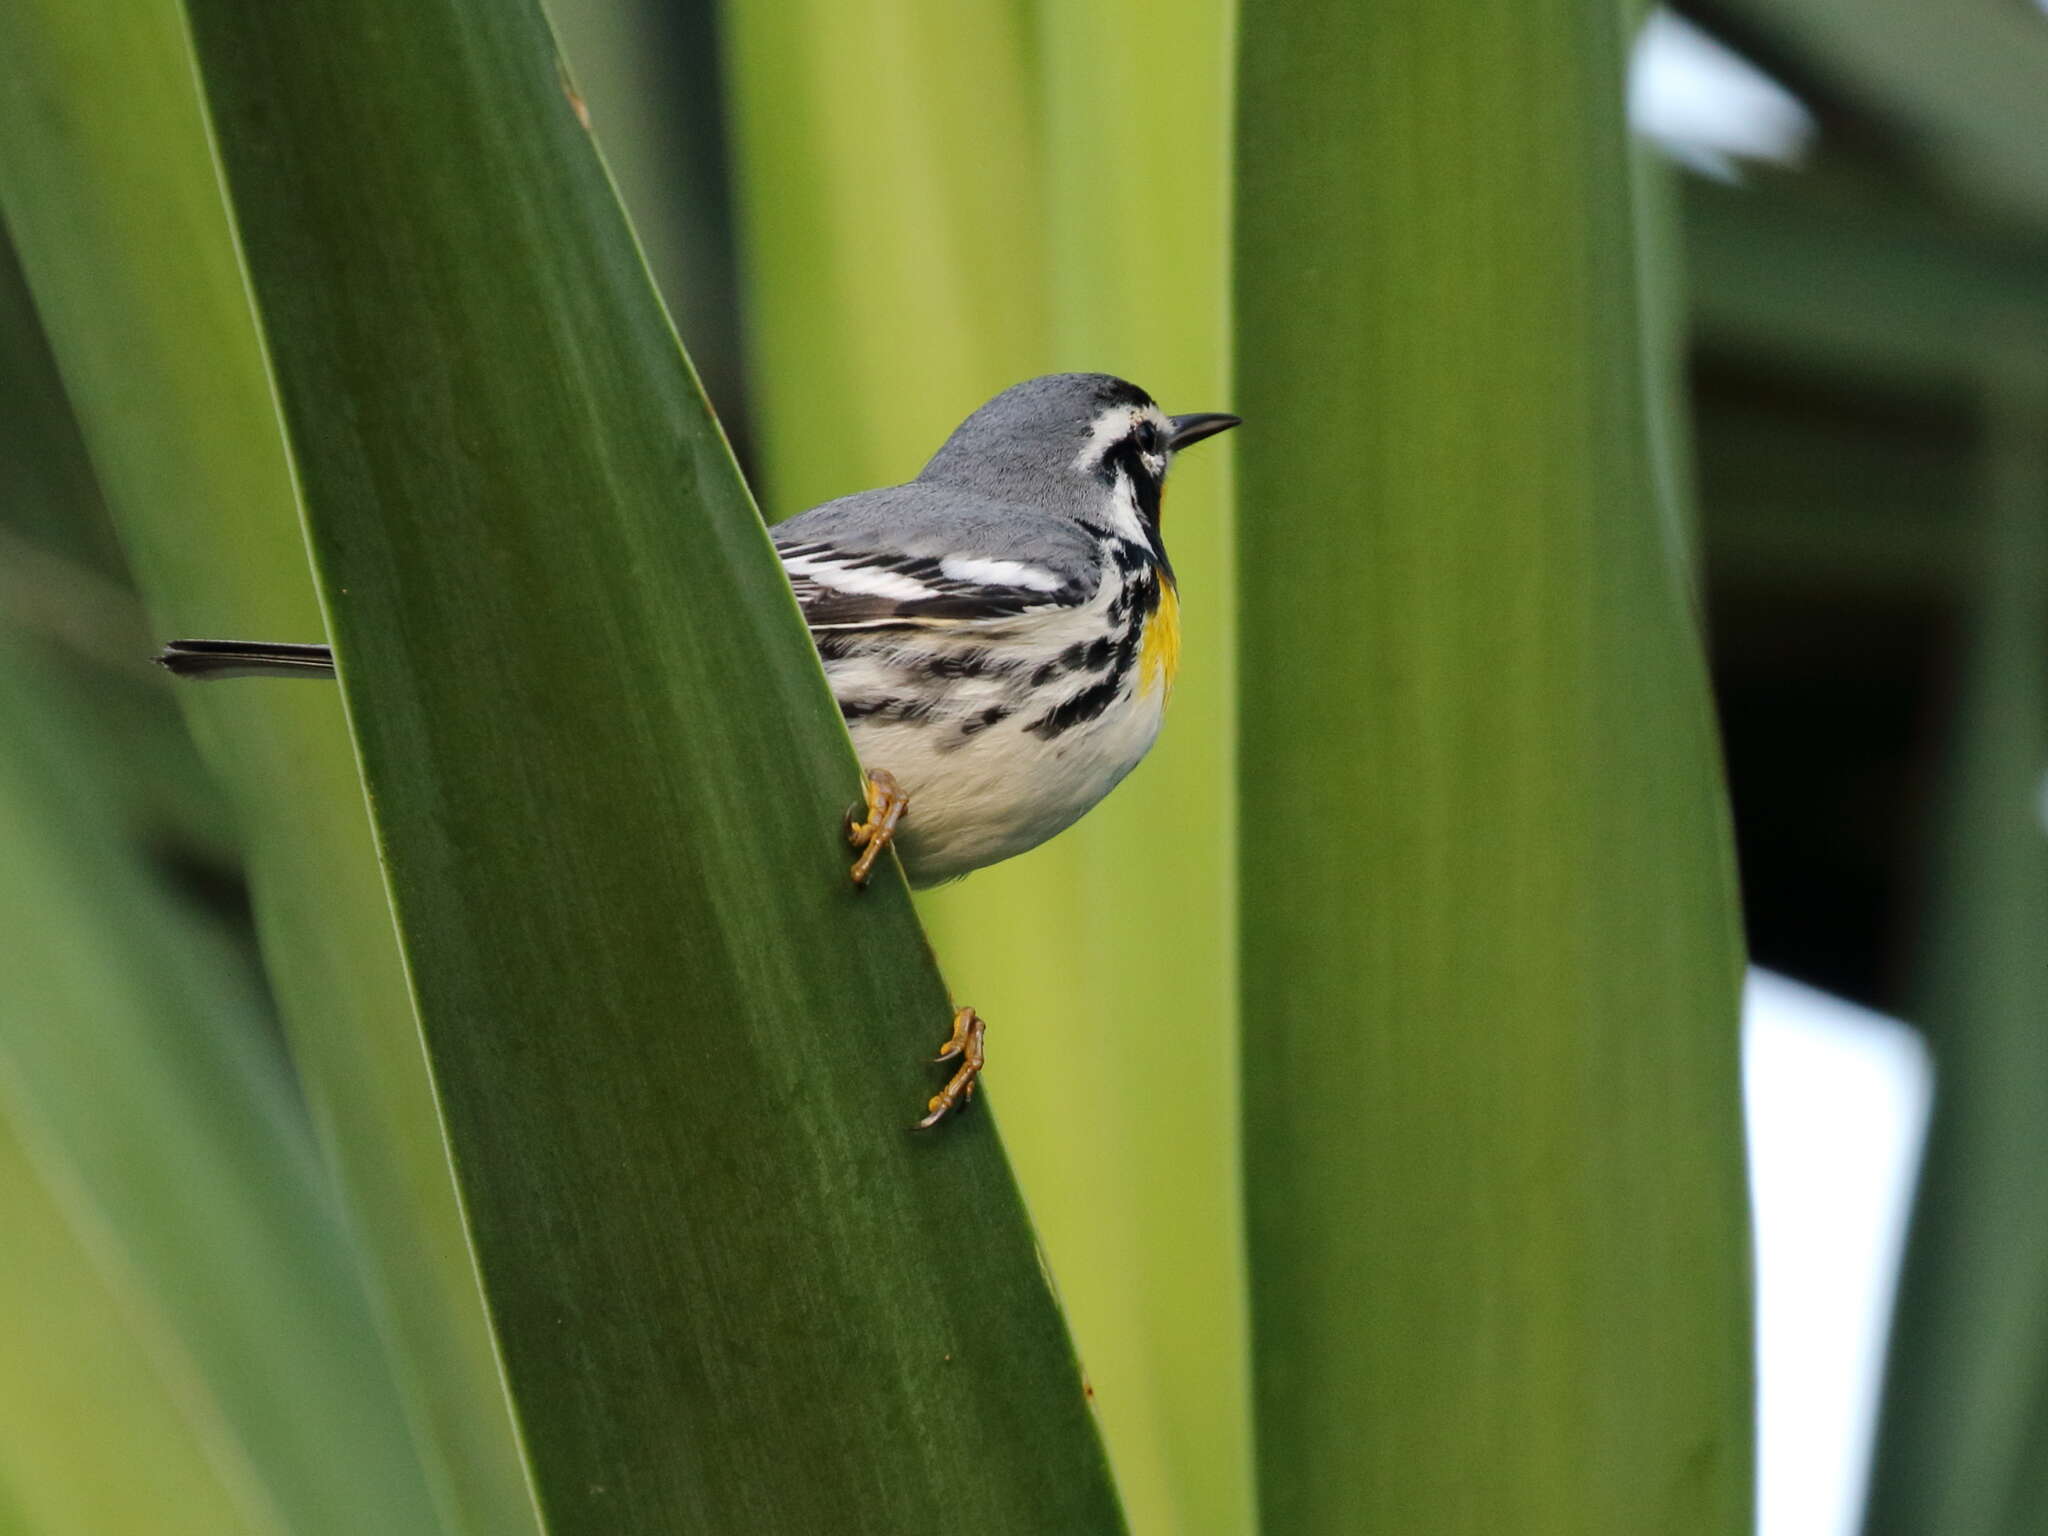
{"x": 1965, "y": 1420}
{"x": 185, "y": 1331}
{"x": 892, "y": 231}
{"x": 677, "y": 1051}
{"x": 187, "y": 1344}
{"x": 64, "y": 584}
{"x": 119, "y": 221}
{"x": 1494, "y": 1160}
{"x": 92, "y": 1437}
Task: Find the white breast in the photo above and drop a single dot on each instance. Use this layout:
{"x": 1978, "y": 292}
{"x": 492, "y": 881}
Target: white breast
{"x": 964, "y": 727}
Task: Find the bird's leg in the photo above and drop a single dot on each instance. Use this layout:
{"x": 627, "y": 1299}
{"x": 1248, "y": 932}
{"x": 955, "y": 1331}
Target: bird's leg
{"x": 965, "y": 1047}
{"x": 886, "y": 803}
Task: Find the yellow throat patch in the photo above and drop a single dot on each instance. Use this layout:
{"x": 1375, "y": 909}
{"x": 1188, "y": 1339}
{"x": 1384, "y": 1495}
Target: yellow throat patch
{"x": 1159, "y": 649}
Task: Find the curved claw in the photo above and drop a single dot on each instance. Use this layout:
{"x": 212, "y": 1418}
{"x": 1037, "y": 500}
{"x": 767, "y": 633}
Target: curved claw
{"x": 886, "y": 803}
{"x": 967, "y": 1044}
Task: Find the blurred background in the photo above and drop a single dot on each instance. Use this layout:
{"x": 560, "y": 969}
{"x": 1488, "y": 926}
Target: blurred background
{"x": 1861, "y": 193}
{"x": 1863, "y": 225}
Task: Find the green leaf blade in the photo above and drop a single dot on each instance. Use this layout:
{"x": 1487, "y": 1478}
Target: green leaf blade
{"x": 1494, "y": 1163}
{"x": 132, "y": 260}
{"x": 161, "y": 1161}
{"x": 1966, "y": 1391}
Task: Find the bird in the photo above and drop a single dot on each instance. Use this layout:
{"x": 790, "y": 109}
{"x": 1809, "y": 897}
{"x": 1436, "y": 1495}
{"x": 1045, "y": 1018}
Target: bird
{"x": 1001, "y": 633}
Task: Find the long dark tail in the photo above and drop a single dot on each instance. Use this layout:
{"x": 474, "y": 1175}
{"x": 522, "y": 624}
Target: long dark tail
{"x": 246, "y": 658}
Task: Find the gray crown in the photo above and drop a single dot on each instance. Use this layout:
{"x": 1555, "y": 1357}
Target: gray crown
{"x": 1031, "y": 432}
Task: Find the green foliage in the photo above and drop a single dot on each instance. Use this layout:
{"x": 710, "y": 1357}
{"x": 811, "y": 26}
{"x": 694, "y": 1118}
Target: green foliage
{"x": 129, "y": 250}
{"x": 185, "y": 1307}
{"x": 1966, "y": 1409}
{"x": 1490, "y": 965}
{"x": 188, "y": 1346}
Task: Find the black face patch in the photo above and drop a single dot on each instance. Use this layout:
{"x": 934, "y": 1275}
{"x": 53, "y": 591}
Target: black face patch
{"x": 1125, "y": 460}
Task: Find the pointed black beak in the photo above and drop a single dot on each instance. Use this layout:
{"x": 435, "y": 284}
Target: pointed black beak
{"x": 1192, "y": 429}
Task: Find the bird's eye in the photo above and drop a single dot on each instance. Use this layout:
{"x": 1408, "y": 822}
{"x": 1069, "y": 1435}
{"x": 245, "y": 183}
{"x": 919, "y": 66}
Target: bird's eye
{"x": 1148, "y": 436}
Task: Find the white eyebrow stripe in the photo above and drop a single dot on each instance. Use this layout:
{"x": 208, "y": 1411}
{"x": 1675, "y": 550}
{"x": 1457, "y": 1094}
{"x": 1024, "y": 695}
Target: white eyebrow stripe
{"x": 1104, "y": 432}
{"x": 999, "y": 573}
{"x": 1113, "y": 425}
{"x": 866, "y": 581}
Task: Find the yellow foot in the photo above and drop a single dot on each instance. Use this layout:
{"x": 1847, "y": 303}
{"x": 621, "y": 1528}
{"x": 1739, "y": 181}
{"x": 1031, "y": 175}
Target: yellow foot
{"x": 966, "y": 1047}
{"x": 886, "y": 804}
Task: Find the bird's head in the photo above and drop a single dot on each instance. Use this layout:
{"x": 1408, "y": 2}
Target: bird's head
{"x": 1077, "y": 437}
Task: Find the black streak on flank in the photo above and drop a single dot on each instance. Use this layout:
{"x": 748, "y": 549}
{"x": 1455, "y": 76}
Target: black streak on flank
{"x": 995, "y": 714}
{"x": 902, "y": 711}
{"x": 1137, "y": 599}
{"x": 1081, "y": 656}
{"x": 838, "y": 647}
{"x": 977, "y": 663}
{"x": 1140, "y": 597}
{"x": 1084, "y": 706}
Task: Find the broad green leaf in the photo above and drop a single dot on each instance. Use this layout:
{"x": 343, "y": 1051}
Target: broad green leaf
{"x": 1966, "y": 1400}
{"x": 1493, "y": 1160}
{"x": 940, "y": 202}
{"x": 118, "y": 218}
{"x": 677, "y": 1052}
{"x": 64, "y": 583}
{"x": 187, "y": 1343}
{"x": 92, "y": 1437}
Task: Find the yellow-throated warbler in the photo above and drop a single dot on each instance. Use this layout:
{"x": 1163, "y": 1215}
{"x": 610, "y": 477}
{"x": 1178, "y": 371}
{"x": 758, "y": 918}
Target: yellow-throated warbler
{"x": 1001, "y": 633}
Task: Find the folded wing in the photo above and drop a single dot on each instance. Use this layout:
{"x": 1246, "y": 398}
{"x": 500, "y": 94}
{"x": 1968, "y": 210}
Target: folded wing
{"x": 850, "y": 588}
